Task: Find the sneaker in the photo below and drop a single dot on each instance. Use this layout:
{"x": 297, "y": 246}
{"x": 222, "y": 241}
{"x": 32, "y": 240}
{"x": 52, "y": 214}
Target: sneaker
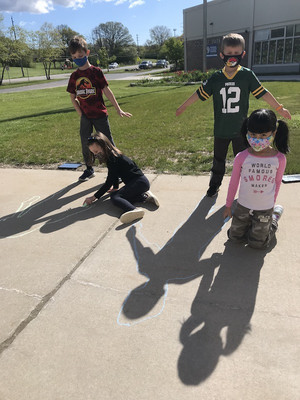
{"x": 130, "y": 216}
{"x": 151, "y": 198}
{"x": 277, "y": 213}
{"x": 212, "y": 191}
{"x": 87, "y": 174}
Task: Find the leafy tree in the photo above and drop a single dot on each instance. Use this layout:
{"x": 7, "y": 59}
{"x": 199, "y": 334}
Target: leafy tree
{"x": 113, "y": 36}
{"x": 159, "y": 34}
{"x": 66, "y": 34}
{"x": 11, "y": 51}
{"x": 103, "y": 57}
{"x": 49, "y": 45}
{"x": 174, "y": 50}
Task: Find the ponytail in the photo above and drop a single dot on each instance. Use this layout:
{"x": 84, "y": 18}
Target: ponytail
{"x": 281, "y": 139}
{"x": 244, "y": 130}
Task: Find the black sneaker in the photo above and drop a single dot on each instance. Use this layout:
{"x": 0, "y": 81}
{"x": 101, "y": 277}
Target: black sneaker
{"x": 212, "y": 191}
{"x": 87, "y": 174}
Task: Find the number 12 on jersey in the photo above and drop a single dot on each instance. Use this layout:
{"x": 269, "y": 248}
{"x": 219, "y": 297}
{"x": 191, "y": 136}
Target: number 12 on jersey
{"x": 230, "y": 97}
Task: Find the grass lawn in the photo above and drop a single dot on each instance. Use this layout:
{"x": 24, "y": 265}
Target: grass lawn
{"x": 36, "y": 70}
{"x": 42, "y": 128}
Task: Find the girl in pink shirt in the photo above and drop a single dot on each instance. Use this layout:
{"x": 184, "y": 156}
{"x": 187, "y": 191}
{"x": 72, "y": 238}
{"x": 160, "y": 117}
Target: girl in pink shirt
{"x": 258, "y": 172}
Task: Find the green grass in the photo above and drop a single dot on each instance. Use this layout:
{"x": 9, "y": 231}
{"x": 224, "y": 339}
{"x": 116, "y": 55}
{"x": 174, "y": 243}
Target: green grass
{"x": 36, "y": 70}
{"x": 41, "y": 127}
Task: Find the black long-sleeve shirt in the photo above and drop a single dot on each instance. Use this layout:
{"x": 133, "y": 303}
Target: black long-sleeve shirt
{"x": 118, "y": 167}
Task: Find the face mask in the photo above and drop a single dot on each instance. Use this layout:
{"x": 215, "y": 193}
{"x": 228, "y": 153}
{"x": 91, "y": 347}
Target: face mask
{"x": 232, "y": 61}
{"x": 260, "y": 144}
{"x": 80, "y": 61}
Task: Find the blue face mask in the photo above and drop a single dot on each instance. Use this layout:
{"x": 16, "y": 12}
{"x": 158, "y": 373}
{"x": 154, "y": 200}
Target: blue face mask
{"x": 80, "y": 61}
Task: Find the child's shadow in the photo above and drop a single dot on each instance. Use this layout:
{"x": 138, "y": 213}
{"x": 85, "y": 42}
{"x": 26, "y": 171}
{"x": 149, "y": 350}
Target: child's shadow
{"x": 226, "y": 301}
{"x": 177, "y": 262}
{"x": 33, "y": 213}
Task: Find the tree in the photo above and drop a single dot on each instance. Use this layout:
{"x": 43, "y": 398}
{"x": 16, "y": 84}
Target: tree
{"x": 174, "y": 50}
{"x": 11, "y": 51}
{"x": 159, "y": 34}
{"x": 49, "y": 46}
{"x": 113, "y": 36}
{"x": 66, "y": 34}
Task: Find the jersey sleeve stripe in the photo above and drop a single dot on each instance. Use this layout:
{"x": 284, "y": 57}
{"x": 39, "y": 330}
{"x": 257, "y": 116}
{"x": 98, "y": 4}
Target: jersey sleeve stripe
{"x": 258, "y": 91}
{"x": 202, "y": 94}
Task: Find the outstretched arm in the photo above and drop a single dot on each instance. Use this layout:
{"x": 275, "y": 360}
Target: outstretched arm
{"x": 109, "y": 94}
{"x": 270, "y": 99}
{"x": 194, "y": 97}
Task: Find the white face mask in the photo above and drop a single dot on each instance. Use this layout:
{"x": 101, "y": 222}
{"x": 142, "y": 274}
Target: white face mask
{"x": 260, "y": 144}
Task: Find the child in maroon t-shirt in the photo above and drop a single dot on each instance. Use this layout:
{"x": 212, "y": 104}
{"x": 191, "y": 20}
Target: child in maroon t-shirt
{"x": 86, "y": 86}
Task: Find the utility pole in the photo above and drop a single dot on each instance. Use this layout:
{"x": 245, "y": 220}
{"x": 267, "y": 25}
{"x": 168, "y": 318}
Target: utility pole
{"x": 174, "y": 31}
{"x": 13, "y": 27}
{"x": 204, "y": 34}
{"x": 137, "y": 43}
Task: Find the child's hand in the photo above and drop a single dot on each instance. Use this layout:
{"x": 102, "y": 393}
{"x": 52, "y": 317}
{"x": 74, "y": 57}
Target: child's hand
{"x": 227, "y": 213}
{"x": 285, "y": 113}
{"x": 124, "y": 114}
{"x": 89, "y": 200}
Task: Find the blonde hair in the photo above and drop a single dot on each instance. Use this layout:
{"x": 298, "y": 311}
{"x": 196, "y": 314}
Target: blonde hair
{"x": 233, "y": 40}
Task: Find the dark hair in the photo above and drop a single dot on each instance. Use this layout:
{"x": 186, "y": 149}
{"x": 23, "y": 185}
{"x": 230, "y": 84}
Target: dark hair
{"x": 233, "y": 40}
{"x": 77, "y": 43}
{"x": 263, "y": 120}
{"x": 108, "y": 148}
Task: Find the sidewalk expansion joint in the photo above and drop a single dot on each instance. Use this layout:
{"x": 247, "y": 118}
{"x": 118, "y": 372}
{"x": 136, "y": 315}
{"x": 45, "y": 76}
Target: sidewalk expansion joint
{"x": 45, "y": 299}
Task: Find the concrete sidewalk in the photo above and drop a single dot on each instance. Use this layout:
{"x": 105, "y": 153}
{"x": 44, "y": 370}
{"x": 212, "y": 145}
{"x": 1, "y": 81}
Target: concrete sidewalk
{"x": 163, "y": 309}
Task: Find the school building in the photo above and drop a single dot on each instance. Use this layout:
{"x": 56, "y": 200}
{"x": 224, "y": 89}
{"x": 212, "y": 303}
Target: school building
{"x": 271, "y": 30}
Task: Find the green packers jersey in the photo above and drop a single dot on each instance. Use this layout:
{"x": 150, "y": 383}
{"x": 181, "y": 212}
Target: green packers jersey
{"x": 230, "y": 99}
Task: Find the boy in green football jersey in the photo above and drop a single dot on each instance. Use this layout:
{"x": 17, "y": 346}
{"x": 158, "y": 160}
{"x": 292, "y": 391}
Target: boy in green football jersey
{"x": 230, "y": 88}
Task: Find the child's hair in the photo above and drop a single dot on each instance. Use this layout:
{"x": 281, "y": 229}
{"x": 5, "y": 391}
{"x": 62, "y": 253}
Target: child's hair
{"x": 77, "y": 43}
{"x": 108, "y": 148}
{"x": 233, "y": 40}
{"x": 263, "y": 120}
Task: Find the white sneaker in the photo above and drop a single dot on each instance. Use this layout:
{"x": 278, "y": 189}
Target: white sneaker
{"x": 130, "y": 216}
{"x": 277, "y": 212}
{"x": 151, "y": 198}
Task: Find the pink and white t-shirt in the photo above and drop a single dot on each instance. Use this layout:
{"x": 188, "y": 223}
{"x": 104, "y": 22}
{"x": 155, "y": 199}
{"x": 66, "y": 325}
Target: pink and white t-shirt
{"x": 259, "y": 179}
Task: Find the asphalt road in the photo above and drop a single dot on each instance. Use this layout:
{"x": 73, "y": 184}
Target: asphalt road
{"x": 60, "y": 80}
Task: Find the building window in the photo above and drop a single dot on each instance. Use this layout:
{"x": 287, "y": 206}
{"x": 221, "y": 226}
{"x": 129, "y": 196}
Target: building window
{"x": 288, "y": 51}
{"x": 277, "y": 33}
{"x": 277, "y": 46}
{"x": 279, "y": 53}
{"x": 264, "y": 52}
{"x": 296, "y": 53}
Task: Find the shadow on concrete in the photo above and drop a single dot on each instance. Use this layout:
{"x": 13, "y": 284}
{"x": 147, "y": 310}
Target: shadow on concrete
{"x": 224, "y": 301}
{"x": 37, "y": 213}
{"x": 177, "y": 262}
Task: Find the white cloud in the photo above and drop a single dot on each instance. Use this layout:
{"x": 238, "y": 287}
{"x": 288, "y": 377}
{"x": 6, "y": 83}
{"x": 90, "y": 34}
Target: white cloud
{"x": 37, "y": 6}
{"x": 136, "y": 3}
{"x": 132, "y": 3}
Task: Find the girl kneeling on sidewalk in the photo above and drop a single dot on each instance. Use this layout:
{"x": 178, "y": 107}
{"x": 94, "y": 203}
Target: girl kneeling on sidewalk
{"x": 136, "y": 185}
{"x": 258, "y": 172}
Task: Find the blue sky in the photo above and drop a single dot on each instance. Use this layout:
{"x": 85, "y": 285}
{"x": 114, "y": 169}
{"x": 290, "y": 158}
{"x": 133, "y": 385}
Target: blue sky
{"x": 139, "y": 16}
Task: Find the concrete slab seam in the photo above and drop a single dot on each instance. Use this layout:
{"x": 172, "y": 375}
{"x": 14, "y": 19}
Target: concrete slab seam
{"x": 44, "y": 301}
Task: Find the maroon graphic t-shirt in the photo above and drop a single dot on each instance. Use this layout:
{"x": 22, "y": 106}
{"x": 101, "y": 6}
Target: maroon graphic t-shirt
{"x": 87, "y": 86}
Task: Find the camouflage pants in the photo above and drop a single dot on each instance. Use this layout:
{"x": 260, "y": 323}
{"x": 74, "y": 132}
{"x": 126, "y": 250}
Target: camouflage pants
{"x": 256, "y": 228}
